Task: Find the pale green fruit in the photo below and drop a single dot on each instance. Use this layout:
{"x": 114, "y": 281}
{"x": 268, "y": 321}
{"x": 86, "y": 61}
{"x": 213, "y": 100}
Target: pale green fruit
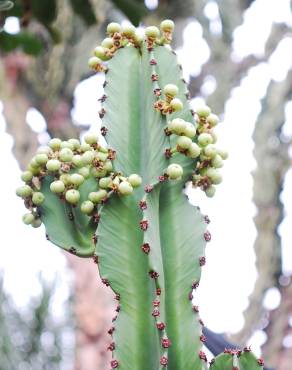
{"x": 76, "y": 179}
{"x": 171, "y": 90}
{"x": 217, "y": 161}
{"x": 135, "y": 180}
{"x": 152, "y": 32}
{"x": 66, "y": 155}
{"x": 204, "y": 111}
{"x": 24, "y": 191}
{"x": 105, "y": 182}
{"x": 55, "y": 143}
{"x": 38, "y": 198}
{"x": 33, "y": 163}
{"x": 87, "y": 207}
{"x": 66, "y": 179}
{"x": 210, "y": 151}
{"x": 184, "y": 142}
{"x": 28, "y": 218}
{"x": 94, "y": 62}
{"x": 125, "y": 188}
{"x": 34, "y": 170}
{"x": 36, "y": 223}
{"x": 190, "y": 130}
{"x": 98, "y": 173}
{"x": 77, "y": 160}
{"x": 194, "y": 151}
{"x": 107, "y": 43}
{"x": 101, "y": 156}
{"x": 210, "y": 191}
{"x": 223, "y": 153}
{"x": 88, "y": 157}
{"x": 176, "y": 104}
{"x": 213, "y": 119}
{"x": 75, "y": 143}
{"x": 72, "y": 196}
{"x": 97, "y": 196}
{"x": 44, "y": 150}
{"x": 85, "y": 147}
{"x": 113, "y": 28}
{"x": 205, "y": 139}
{"x": 214, "y": 176}
{"x": 178, "y": 126}
{"x": 26, "y": 176}
{"x": 214, "y": 137}
{"x": 174, "y": 171}
{"x": 57, "y": 186}
{"x": 67, "y": 144}
{"x": 41, "y": 158}
{"x": 129, "y": 31}
{"x": 84, "y": 171}
{"x": 100, "y": 52}
{"x": 167, "y": 25}
{"x": 108, "y": 166}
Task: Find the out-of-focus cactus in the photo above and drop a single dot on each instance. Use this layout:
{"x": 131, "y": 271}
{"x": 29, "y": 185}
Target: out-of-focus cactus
{"x": 149, "y": 242}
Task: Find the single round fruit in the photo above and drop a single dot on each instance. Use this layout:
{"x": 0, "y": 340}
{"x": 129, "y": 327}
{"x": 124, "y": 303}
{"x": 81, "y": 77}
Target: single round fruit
{"x": 203, "y": 111}
{"x": 41, "y": 158}
{"x": 107, "y": 43}
{"x": 176, "y": 104}
{"x": 99, "y": 173}
{"x": 38, "y": 198}
{"x": 94, "y": 62}
{"x": 129, "y": 31}
{"x": 44, "y": 150}
{"x": 125, "y": 188}
{"x": 100, "y": 52}
{"x": 77, "y": 160}
{"x": 65, "y": 178}
{"x": 210, "y": 151}
{"x": 57, "y": 186}
{"x": 174, "y": 171}
{"x": 84, "y": 171}
{"x": 213, "y": 119}
{"x": 101, "y": 156}
{"x": 194, "y": 151}
{"x": 184, "y": 142}
{"x": 113, "y": 28}
{"x": 87, "y": 207}
{"x": 217, "y": 161}
{"x": 135, "y": 180}
{"x": 84, "y": 147}
{"x": 76, "y": 179}
{"x": 214, "y": 175}
{"x": 88, "y": 157}
{"x": 178, "y": 126}
{"x": 67, "y": 144}
{"x": 36, "y": 223}
{"x": 24, "y": 191}
{"x": 223, "y": 153}
{"x": 152, "y": 32}
{"x": 171, "y": 90}
{"x": 190, "y": 130}
{"x": 72, "y": 196}
{"x": 75, "y": 143}
{"x": 34, "y": 170}
{"x": 108, "y": 166}
{"x": 53, "y": 165}
{"x": 33, "y": 163}
{"x": 105, "y": 182}
{"x": 97, "y": 196}
{"x": 205, "y": 139}
{"x": 55, "y": 143}
{"x": 210, "y": 191}
{"x": 167, "y": 25}
{"x": 91, "y": 138}
{"x": 66, "y": 155}
{"x": 26, "y": 176}
{"x": 28, "y": 218}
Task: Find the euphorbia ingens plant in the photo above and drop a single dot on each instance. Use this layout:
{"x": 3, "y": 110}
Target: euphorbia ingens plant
{"x": 124, "y": 205}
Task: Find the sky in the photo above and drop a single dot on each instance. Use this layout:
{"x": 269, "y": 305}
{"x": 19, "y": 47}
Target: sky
{"x": 230, "y": 273}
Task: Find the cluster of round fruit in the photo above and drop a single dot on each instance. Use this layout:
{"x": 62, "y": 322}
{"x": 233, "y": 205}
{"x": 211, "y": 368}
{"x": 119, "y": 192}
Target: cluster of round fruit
{"x": 119, "y": 36}
{"x": 70, "y": 163}
{"x": 170, "y": 104}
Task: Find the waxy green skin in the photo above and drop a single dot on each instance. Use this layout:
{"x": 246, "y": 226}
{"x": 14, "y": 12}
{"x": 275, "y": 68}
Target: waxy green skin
{"x": 153, "y": 287}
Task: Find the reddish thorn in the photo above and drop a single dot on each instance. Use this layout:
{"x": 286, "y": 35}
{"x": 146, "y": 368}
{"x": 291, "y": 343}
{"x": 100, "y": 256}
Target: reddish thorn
{"x": 118, "y": 308}
{"x": 154, "y": 77}
{"x": 111, "y": 330}
{"x": 196, "y": 308}
{"x": 203, "y": 338}
{"x": 114, "y": 318}
{"x": 195, "y": 285}
{"x": 160, "y": 326}
{"x": 153, "y": 62}
{"x": 103, "y": 98}
{"x": 103, "y": 131}
{"x": 105, "y": 282}
{"x": 146, "y": 248}
{"x": 143, "y": 204}
{"x": 111, "y": 154}
{"x": 162, "y": 178}
{"x": 165, "y": 342}
{"x": 202, "y": 261}
{"x": 158, "y": 291}
{"x": 153, "y": 274}
{"x": 155, "y": 312}
{"x": 114, "y": 364}
{"x": 191, "y": 296}
{"x": 203, "y": 356}
{"x": 207, "y": 219}
{"x": 212, "y": 362}
{"x": 112, "y": 346}
{"x": 201, "y": 322}
{"x": 117, "y": 297}
{"x": 73, "y": 250}
{"x": 47, "y": 237}
{"x": 207, "y": 236}
{"x": 104, "y": 84}
{"x": 193, "y": 112}
{"x": 144, "y": 225}
{"x": 157, "y": 92}
{"x": 96, "y": 218}
{"x": 163, "y": 360}
{"x": 167, "y": 132}
{"x": 156, "y": 303}
{"x": 261, "y": 362}
{"x": 95, "y": 258}
{"x": 167, "y": 153}
{"x": 101, "y": 113}
{"x": 247, "y": 349}
{"x": 94, "y": 238}
{"x": 148, "y": 188}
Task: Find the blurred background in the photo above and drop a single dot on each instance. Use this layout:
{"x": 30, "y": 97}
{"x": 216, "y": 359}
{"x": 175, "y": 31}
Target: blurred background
{"x": 237, "y": 57}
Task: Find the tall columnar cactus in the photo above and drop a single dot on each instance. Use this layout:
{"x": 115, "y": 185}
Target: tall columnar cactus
{"x": 124, "y": 204}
